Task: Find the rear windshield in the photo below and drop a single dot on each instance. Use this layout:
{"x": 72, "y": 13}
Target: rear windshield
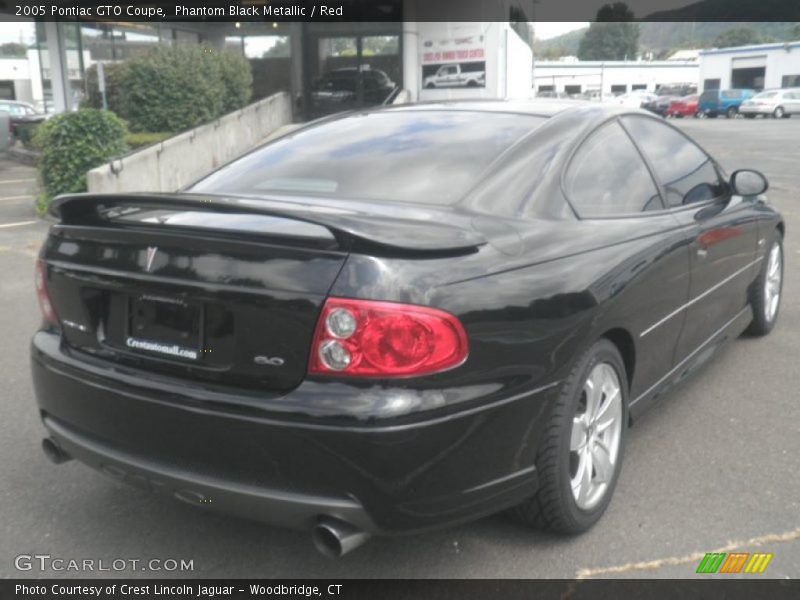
{"x": 429, "y": 157}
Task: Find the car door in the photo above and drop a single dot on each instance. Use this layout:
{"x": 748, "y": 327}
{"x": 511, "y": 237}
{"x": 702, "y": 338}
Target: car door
{"x": 722, "y": 229}
{"x": 451, "y": 76}
{"x": 792, "y": 102}
{"x": 613, "y": 192}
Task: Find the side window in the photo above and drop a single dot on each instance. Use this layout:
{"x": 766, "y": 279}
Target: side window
{"x": 608, "y": 177}
{"x": 687, "y": 173}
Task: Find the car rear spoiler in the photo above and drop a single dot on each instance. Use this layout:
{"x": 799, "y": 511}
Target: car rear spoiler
{"x": 407, "y": 228}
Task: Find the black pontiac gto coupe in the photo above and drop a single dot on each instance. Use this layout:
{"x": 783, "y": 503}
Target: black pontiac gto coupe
{"x": 403, "y": 318}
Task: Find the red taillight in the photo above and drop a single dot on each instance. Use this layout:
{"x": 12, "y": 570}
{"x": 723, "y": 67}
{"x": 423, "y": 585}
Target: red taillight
{"x": 40, "y": 280}
{"x": 362, "y": 338}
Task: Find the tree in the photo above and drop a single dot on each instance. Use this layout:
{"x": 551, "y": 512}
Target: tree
{"x": 553, "y": 53}
{"x": 279, "y": 50}
{"x": 13, "y": 49}
{"x": 738, "y": 36}
{"x": 613, "y": 36}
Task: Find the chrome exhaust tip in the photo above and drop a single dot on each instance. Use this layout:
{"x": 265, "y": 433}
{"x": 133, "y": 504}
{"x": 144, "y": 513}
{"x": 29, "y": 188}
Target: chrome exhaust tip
{"x": 335, "y": 538}
{"x": 53, "y": 452}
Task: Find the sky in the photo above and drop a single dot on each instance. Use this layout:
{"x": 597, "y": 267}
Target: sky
{"x": 10, "y": 32}
{"x": 547, "y": 30}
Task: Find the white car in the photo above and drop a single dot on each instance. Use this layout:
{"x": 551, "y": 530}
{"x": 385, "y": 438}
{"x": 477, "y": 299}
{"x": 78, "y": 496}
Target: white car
{"x": 780, "y": 104}
{"x": 634, "y": 99}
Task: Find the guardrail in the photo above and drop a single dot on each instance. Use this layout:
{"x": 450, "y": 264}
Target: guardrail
{"x": 184, "y": 158}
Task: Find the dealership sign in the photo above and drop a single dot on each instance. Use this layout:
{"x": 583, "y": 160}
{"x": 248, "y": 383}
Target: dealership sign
{"x": 459, "y": 49}
{"x": 454, "y": 62}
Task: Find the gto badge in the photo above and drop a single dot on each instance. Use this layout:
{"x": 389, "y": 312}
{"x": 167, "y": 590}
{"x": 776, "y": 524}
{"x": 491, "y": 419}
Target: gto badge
{"x": 275, "y": 361}
{"x": 150, "y": 257}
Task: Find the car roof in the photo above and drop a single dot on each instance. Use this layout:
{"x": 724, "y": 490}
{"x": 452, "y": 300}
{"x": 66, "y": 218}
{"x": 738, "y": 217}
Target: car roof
{"x": 540, "y": 107}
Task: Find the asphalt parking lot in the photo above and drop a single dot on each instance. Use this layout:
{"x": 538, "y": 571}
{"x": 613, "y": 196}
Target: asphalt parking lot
{"x": 713, "y": 467}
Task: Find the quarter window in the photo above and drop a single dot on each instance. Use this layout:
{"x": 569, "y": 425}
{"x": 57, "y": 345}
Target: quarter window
{"x": 608, "y": 177}
{"x": 687, "y": 173}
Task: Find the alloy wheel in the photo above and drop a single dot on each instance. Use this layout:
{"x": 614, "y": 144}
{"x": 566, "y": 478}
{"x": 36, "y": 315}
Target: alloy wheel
{"x": 772, "y": 283}
{"x": 595, "y": 437}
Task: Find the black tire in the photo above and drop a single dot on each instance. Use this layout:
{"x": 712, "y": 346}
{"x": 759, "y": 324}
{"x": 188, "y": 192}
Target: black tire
{"x": 731, "y": 112}
{"x": 762, "y": 324}
{"x": 778, "y": 113}
{"x": 554, "y": 507}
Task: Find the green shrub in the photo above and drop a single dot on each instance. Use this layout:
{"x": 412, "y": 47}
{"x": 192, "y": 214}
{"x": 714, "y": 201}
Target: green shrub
{"x": 237, "y": 81}
{"x": 72, "y": 144}
{"x": 114, "y": 73}
{"x": 172, "y": 89}
{"x": 139, "y": 140}
{"x": 25, "y": 133}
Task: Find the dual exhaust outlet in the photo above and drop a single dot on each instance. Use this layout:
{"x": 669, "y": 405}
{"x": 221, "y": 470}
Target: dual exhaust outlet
{"x": 332, "y": 537}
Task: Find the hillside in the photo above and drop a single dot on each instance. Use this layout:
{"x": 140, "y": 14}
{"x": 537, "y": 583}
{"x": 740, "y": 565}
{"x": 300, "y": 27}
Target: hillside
{"x": 731, "y": 10}
{"x": 663, "y": 37}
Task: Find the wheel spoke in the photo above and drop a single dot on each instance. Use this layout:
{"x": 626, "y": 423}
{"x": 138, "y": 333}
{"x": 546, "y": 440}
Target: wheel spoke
{"x": 584, "y": 481}
{"x": 601, "y": 459}
{"x": 578, "y": 478}
{"x": 578, "y": 437}
{"x": 609, "y": 412}
{"x": 592, "y": 390}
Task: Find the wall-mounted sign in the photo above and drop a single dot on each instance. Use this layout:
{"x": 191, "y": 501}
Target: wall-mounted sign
{"x": 455, "y": 62}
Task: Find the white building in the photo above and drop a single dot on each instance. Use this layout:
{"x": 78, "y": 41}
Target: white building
{"x": 685, "y": 55}
{"x": 759, "y": 66}
{"x": 613, "y": 77}
{"x": 15, "y": 79}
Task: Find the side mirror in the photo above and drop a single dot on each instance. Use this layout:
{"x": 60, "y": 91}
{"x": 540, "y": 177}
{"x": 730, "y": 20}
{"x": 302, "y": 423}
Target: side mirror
{"x": 747, "y": 182}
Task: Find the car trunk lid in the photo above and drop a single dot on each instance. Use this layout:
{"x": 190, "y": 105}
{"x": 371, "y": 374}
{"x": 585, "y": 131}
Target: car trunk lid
{"x": 214, "y": 290}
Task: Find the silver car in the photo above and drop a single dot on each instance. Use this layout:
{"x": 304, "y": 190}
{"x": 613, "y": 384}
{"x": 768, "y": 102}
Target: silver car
{"x": 780, "y": 104}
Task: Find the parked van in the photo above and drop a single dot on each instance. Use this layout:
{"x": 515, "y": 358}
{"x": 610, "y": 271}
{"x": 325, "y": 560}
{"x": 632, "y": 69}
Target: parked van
{"x": 722, "y": 102}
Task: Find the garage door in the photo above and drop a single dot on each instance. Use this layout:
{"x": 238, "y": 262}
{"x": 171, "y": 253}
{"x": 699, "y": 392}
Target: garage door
{"x": 750, "y": 62}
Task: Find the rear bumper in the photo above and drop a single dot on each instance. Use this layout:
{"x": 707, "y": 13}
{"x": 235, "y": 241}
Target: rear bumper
{"x": 681, "y": 112}
{"x": 384, "y": 477}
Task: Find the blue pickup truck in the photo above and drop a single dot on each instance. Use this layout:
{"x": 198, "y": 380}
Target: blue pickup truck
{"x": 722, "y": 102}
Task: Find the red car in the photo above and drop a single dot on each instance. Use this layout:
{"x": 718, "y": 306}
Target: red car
{"x": 685, "y": 107}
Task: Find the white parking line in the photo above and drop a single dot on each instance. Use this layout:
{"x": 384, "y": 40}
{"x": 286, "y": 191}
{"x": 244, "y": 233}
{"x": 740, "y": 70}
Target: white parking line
{"x": 23, "y": 197}
{"x": 18, "y": 224}
{"x": 694, "y": 557}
